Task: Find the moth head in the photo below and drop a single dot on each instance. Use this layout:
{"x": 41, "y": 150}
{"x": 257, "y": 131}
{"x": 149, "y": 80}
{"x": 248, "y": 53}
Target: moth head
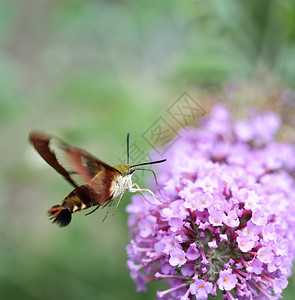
{"x": 125, "y": 169}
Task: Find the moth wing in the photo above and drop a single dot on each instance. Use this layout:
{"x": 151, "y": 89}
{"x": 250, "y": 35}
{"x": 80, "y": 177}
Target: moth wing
{"x": 102, "y": 186}
{"x": 96, "y": 173}
{"x": 74, "y": 164}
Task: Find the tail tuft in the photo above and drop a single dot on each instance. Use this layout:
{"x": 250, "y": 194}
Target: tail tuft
{"x": 60, "y": 215}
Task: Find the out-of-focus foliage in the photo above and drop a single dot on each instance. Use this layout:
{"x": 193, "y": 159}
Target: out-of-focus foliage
{"x": 91, "y": 71}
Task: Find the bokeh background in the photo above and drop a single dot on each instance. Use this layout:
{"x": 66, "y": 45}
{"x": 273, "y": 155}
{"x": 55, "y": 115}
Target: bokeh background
{"x": 91, "y": 71}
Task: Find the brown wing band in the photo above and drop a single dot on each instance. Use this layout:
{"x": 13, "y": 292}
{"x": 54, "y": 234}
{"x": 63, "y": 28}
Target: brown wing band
{"x": 41, "y": 144}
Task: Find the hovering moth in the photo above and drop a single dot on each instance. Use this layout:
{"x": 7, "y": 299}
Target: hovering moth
{"x": 102, "y": 183}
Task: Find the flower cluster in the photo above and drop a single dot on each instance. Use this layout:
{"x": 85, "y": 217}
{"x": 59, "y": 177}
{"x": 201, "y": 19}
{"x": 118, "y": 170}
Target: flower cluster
{"x": 228, "y": 217}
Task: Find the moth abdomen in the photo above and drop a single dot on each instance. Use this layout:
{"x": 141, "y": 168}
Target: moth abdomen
{"x": 80, "y": 198}
{"x": 60, "y": 215}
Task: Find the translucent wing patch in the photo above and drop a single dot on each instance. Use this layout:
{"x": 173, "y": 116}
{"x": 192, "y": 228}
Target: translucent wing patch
{"x": 73, "y": 163}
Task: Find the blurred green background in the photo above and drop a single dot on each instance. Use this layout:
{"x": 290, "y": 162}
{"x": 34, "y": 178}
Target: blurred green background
{"x": 91, "y": 71}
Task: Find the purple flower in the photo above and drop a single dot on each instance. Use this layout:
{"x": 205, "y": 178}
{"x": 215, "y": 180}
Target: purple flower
{"x": 192, "y": 252}
{"x": 147, "y": 226}
{"x": 177, "y": 257}
{"x": 227, "y": 221}
{"x": 227, "y": 281}
{"x": 201, "y": 289}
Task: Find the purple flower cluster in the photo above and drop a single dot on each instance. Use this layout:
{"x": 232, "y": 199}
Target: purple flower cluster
{"x": 228, "y": 217}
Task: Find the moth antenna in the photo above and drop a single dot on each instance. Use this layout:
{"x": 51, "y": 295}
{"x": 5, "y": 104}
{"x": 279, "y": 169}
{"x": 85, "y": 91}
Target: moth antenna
{"x": 150, "y": 163}
{"x": 128, "y": 148}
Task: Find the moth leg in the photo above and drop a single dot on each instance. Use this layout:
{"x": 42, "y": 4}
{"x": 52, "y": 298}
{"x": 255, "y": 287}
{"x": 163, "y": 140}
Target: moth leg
{"x": 108, "y": 210}
{"x": 105, "y": 204}
{"x": 142, "y": 194}
{"x": 138, "y": 189}
{"x": 125, "y": 187}
{"x": 97, "y": 207}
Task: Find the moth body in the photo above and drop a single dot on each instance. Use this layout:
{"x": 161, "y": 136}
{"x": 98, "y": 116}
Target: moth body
{"x": 120, "y": 184}
{"x": 102, "y": 183}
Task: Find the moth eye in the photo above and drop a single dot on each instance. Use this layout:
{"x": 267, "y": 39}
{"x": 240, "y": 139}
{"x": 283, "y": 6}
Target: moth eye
{"x": 131, "y": 171}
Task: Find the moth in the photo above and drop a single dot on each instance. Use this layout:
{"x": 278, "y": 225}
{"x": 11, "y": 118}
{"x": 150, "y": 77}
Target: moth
{"x": 101, "y": 183}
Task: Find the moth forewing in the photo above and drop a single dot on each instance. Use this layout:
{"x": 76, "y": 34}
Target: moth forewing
{"x": 41, "y": 143}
